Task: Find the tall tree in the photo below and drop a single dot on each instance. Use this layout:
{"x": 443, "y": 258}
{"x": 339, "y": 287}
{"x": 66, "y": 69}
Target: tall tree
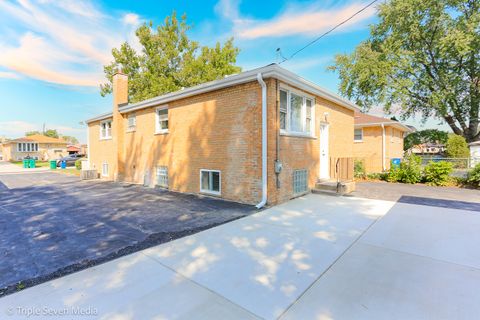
{"x": 425, "y": 136}
{"x": 423, "y": 56}
{"x": 169, "y": 60}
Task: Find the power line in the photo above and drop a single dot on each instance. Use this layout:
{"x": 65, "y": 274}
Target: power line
{"x": 327, "y": 32}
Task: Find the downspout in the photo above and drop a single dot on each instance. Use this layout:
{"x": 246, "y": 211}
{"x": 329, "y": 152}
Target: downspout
{"x": 383, "y": 147}
{"x": 264, "y": 141}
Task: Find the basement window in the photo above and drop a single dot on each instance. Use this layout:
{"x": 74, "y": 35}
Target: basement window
{"x": 300, "y": 184}
{"x": 105, "y": 169}
{"x": 161, "y": 117}
{"x": 297, "y": 113}
{"x": 358, "y": 135}
{"x": 162, "y": 176}
{"x": 106, "y": 129}
{"x": 210, "y": 181}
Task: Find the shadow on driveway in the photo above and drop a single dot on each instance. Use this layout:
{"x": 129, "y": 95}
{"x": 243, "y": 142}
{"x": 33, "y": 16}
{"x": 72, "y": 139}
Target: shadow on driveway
{"x": 52, "y": 229}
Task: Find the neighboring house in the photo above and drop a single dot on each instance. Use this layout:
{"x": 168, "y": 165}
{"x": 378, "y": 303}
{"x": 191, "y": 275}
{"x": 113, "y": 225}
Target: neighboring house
{"x": 264, "y": 135}
{"x": 474, "y": 153}
{"x": 72, "y": 149}
{"x": 428, "y": 149}
{"x": 377, "y": 141}
{"x": 38, "y": 146}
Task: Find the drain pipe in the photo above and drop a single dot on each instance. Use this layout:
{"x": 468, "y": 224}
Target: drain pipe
{"x": 264, "y": 141}
{"x": 383, "y": 148}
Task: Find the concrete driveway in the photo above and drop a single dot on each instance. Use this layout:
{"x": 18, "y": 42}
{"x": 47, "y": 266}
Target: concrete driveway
{"x": 53, "y": 224}
{"x": 316, "y": 257}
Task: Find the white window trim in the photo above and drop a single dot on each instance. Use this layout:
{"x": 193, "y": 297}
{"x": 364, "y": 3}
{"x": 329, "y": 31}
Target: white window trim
{"x": 355, "y": 140}
{"x": 217, "y": 193}
{"x": 134, "y": 127}
{"x": 305, "y": 97}
{"x": 157, "y": 124}
{"x": 107, "y": 137}
{"x": 103, "y": 173}
{"x": 27, "y": 147}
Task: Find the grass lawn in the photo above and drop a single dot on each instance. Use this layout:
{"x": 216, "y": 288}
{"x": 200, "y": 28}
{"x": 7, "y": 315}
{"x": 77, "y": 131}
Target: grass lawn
{"x": 70, "y": 170}
{"x": 38, "y": 164}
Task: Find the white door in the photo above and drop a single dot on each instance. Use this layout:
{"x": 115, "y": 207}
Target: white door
{"x": 324, "y": 159}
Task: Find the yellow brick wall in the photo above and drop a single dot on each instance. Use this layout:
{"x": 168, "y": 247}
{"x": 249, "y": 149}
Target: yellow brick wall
{"x": 298, "y": 153}
{"x": 221, "y": 130}
{"x": 370, "y": 149}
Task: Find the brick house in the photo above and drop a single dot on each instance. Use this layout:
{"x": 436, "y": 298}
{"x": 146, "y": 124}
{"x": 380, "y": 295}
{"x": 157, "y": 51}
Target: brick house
{"x": 377, "y": 140}
{"x": 36, "y": 146}
{"x": 261, "y": 136}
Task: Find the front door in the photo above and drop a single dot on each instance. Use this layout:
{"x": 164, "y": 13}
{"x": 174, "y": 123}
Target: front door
{"x": 324, "y": 159}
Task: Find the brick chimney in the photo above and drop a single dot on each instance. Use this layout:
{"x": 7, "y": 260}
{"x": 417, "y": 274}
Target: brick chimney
{"x": 120, "y": 97}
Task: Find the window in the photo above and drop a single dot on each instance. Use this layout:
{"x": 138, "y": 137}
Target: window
{"x": 105, "y": 169}
{"x": 131, "y": 122}
{"x": 162, "y": 176}
{"x": 300, "y": 184}
{"x": 210, "y": 181}
{"x": 283, "y": 110}
{"x": 358, "y": 135}
{"x": 161, "y": 125}
{"x": 106, "y": 129}
{"x": 27, "y": 147}
{"x": 296, "y": 113}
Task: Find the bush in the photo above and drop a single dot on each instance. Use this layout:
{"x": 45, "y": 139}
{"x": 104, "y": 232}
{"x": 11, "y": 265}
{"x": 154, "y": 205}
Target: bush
{"x": 78, "y": 164}
{"x": 377, "y": 176}
{"x": 359, "y": 169}
{"x": 474, "y": 176}
{"x": 457, "y": 147}
{"x": 410, "y": 170}
{"x": 393, "y": 175}
{"x": 438, "y": 173}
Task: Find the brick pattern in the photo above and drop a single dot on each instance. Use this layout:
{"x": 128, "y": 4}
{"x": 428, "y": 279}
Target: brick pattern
{"x": 220, "y": 130}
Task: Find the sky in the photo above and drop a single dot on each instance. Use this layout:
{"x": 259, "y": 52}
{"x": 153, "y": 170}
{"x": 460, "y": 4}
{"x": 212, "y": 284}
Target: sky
{"x": 52, "y": 52}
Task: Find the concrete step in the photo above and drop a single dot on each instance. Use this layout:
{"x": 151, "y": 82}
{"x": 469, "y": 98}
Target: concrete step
{"x": 327, "y": 192}
{"x": 343, "y": 187}
{"x": 326, "y": 185}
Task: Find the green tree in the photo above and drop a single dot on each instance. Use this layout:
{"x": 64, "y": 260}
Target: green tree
{"x": 31, "y": 133}
{"x": 169, "y": 61}
{"x": 52, "y": 133}
{"x": 70, "y": 139}
{"x": 422, "y": 55}
{"x": 425, "y": 136}
{"x": 457, "y": 147}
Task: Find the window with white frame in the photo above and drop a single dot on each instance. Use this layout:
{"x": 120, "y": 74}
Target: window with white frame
{"x": 105, "y": 169}
{"x": 358, "y": 135}
{"x": 27, "y": 147}
{"x": 161, "y": 117}
{"x": 106, "y": 129}
{"x": 297, "y": 113}
{"x": 210, "y": 181}
{"x": 131, "y": 122}
{"x": 162, "y": 176}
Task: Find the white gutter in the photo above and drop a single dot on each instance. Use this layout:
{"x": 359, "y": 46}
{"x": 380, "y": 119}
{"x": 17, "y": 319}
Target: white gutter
{"x": 383, "y": 148}
{"x": 264, "y": 141}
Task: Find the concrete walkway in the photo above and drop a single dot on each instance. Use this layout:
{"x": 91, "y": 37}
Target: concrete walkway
{"x": 316, "y": 257}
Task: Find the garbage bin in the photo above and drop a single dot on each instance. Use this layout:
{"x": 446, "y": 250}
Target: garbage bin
{"x": 32, "y": 163}
{"x": 63, "y": 164}
{"x": 53, "y": 164}
{"x": 25, "y": 163}
{"x": 395, "y": 163}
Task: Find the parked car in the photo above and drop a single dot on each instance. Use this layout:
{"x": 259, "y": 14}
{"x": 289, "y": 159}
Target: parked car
{"x": 70, "y": 159}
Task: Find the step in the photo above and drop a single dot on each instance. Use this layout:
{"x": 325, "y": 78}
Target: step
{"x": 332, "y": 186}
{"x": 327, "y": 192}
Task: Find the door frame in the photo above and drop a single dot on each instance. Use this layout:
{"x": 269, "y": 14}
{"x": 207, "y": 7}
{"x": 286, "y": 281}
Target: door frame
{"x": 324, "y": 138}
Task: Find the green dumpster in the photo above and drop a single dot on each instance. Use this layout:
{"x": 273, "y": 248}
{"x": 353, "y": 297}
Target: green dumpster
{"x": 53, "y": 164}
{"x": 32, "y": 163}
{"x": 25, "y": 163}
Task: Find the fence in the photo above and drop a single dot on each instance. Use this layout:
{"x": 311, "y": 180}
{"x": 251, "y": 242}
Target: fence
{"x": 341, "y": 169}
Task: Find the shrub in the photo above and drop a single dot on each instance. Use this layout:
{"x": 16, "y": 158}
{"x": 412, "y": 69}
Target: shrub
{"x": 438, "y": 173}
{"x": 474, "y": 176}
{"x": 78, "y": 164}
{"x": 393, "y": 175}
{"x": 377, "y": 176}
{"x": 359, "y": 169}
{"x": 457, "y": 147}
{"x": 410, "y": 169}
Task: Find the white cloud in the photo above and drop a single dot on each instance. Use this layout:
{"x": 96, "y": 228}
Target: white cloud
{"x": 63, "y": 42}
{"x": 9, "y": 75}
{"x": 295, "y": 20}
{"x": 131, "y": 19}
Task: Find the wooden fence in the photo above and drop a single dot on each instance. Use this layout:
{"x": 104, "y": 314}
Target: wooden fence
{"x": 341, "y": 169}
